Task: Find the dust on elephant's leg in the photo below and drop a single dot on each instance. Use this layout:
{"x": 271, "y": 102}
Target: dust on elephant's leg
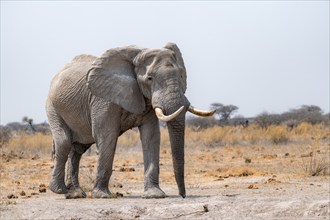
{"x": 150, "y": 137}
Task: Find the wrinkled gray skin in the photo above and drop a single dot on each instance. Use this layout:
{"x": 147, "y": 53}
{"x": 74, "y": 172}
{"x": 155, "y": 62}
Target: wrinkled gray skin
{"x": 96, "y": 99}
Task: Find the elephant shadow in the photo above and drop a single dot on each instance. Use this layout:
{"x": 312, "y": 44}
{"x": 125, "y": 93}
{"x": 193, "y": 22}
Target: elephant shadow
{"x": 170, "y": 196}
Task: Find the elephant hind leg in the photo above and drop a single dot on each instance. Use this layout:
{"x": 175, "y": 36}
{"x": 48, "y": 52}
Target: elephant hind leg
{"x": 72, "y": 174}
{"x": 62, "y": 146}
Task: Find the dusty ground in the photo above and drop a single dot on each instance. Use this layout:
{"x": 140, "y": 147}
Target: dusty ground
{"x": 222, "y": 183}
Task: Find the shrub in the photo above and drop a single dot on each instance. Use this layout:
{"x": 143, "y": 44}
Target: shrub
{"x": 317, "y": 165}
{"x": 278, "y": 135}
{"x": 264, "y": 120}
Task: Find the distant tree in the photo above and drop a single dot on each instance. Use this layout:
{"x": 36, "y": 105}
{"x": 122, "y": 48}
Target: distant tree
{"x": 311, "y": 108}
{"x": 306, "y": 113}
{"x": 224, "y": 112}
{"x": 29, "y": 122}
{"x": 15, "y": 127}
{"x": 264, "y": 120}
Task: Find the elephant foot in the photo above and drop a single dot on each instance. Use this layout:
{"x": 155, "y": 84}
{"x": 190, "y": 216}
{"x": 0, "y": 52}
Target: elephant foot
{"x": 58, "y": 188}
{"x": 101, "y": 193}
{"x": 75, "y": 193}
{"x": 153, "y": 193}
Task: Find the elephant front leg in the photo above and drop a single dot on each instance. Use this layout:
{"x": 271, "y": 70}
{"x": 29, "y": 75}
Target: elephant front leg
{"x": 150, "y": 138}
{"x": 104, "y": 170}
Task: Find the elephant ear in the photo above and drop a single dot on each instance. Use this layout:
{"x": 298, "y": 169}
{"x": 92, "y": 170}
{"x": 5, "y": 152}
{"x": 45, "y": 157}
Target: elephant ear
{"x": 112, "y": 77}
{"x": 178, "y": 55}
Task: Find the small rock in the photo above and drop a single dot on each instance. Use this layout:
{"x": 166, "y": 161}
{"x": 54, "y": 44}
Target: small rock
{"x": 117, "y": 195}
{"x": 12, "y": 196}
{"x": 205, "y": 207}
{"x": 248, "y": 160}
{"x": 22, "y": 193}
{"x": 253, "y": 186}
{"x": 42, "y": 188}
{"x": 117, "y": 185}
{"x": 126, "y": 169}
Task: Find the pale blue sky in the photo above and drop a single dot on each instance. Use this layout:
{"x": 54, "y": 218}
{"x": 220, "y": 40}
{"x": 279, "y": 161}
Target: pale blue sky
{"x": 258, "y": 55}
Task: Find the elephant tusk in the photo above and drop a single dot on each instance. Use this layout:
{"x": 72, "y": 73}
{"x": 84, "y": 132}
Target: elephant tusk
{"x": 200, "y": 112}
{"x": 165, "y": 118}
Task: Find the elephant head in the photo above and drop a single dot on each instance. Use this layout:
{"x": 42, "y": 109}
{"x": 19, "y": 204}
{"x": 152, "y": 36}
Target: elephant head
{"x": 133, "y": 77}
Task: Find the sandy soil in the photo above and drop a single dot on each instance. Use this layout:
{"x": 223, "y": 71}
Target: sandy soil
{"x": 230, "y": 198}
{"x": 220, "y": 182}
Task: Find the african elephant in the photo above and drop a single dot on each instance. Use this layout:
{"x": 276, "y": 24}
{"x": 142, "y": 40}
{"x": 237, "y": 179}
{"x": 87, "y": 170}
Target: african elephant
{"x": 96, "y": 99}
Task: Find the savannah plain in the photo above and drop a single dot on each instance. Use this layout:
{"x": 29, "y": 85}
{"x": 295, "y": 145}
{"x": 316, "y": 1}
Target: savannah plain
{"x": 231, "y": 172}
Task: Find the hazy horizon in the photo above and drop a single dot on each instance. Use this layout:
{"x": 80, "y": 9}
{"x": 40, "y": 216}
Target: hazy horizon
{"x": 258, "y": 55}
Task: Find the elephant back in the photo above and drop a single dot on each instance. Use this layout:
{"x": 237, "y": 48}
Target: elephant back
{"x": 71, "y": 80}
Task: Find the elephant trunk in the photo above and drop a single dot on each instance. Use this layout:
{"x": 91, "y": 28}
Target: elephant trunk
{"x": 176, "y": 129}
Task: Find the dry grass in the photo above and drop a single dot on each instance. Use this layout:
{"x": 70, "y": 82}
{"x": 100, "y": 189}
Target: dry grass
{"x": 229, "y": 136}
{"x": 28, "y": 146}
{"x": 211, "y": 154}
{"x": 306, "y": 134}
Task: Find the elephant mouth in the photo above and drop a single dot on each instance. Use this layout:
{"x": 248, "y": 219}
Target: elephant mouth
{"x": 165, "y": 118}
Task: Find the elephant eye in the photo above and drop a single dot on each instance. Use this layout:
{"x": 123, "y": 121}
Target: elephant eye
{"x": 169, "y": 65}
{"x": 149, "y": 78}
